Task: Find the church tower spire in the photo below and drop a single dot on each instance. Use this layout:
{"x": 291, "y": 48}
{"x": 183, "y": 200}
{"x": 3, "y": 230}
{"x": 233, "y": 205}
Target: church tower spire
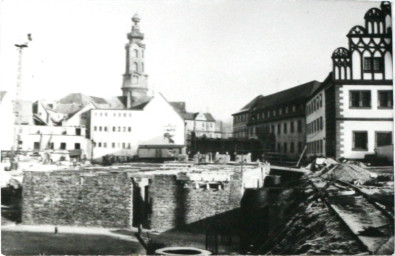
{"x": 134, "y": 86}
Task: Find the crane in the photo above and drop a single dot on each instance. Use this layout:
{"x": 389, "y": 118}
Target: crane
{"x": 17, "y": 106}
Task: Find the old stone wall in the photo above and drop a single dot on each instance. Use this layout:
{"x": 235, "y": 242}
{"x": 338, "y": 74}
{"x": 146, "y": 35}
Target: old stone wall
{"x": 83, "y": 198}
{"x": 176, "y": 202}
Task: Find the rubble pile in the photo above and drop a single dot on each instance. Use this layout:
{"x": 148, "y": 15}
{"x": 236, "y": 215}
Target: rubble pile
{"x": 311, "y": 228}
{"x": 331, "y": 212}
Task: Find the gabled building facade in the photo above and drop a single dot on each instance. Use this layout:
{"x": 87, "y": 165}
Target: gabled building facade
{"x": 201, "y": 124}
{"x": 351, "y": 114}
{"x": 123, "y": 132}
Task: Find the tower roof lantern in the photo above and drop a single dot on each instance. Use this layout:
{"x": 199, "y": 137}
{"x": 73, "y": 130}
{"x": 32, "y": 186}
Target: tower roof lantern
{"x": 135, "y": 33}
{"x": 136, "y": 19}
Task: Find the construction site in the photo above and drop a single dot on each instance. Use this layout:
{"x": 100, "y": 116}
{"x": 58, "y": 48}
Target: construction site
{"x": 306, "y": 169}
{"x": 326, "y": 207}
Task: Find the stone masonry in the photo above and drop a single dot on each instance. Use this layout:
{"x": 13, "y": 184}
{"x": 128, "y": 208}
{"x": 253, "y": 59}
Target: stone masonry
{"x": 106, "y": 197}
{"x": 81, "y": 198}
{"x": 176, "y": 202}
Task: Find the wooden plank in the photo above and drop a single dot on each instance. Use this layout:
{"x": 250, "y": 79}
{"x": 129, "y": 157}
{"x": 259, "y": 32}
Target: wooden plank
{"x": 283, "y": 168}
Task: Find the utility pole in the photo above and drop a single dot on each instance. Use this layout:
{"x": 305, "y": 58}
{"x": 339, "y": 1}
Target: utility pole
{"x": 17, "y": 109}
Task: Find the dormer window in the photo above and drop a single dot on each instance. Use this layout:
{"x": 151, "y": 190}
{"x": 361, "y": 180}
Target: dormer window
{"x": 373, "y": 64}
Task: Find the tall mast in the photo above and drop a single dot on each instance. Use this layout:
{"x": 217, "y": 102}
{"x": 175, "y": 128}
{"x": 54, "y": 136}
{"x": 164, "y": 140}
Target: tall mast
{"x": 17, "y": 109}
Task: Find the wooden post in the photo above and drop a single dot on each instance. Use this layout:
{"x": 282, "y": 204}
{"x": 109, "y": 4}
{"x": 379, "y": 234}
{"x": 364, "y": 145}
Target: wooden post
{"x": 301, "y": 156}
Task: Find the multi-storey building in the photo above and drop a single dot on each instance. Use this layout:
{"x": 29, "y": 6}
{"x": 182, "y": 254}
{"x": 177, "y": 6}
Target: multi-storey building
{"x": 315, "y": 122}
{"x": 42, "y": 128}
{"x": 199, "y": 123}
{"x": 136, "y": 123}
{"x": 122, "y": 132}
{"x": 278, "y": 120}
{"x": 241, "y": 118}
{"x": 42, "y": 137}
{"x": 202, "y": 124}
{"x": 351, "y": 114}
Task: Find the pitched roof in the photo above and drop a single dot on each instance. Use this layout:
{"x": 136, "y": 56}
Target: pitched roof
{"x": 117, "y": 102}
{"x": 192, "y": 116}
{"x": 189, "y": 116}
{"x": 82, "y": 99}
{"x": 209, "y": 117}
{"x": 179, "y": 106}
{"x": 67, "y": 108}
{"x": 294, "y": 94}
{"x": 98, "y": 100}
{"x": 249, "y": 105}
{"x": 327, "y": 82}
{"x": 139, "y": 105}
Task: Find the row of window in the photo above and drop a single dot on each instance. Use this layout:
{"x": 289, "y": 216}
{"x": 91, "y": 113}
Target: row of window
{"x": 314, "y": 105}
{"x": 114, "y": 128}
{"x": 62, "y": 145}
{"x": 316, "y": 125}
{"x": 122, "y": 145}
{"x": 240, "y": 133}
{"x": 315, "y": 147}
{"x": 208, "y": 134}
{"x": 204, "y": 124}
{"x": 114, "y": 114}
{"x": 293, "y": 125}
{"x": 360, "y": 140}
{"x": 267, "y": 114}
{"x": 281, "y": 128}
{"x": 241, "y": 118}
{"x": 283, "y": 148}
{"x": 358, "y": 99}
{"x": 274, "y": 112}
{"x": 362, "y": 99}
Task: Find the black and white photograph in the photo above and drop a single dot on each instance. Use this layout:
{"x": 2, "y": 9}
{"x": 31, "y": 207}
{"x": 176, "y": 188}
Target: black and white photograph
{"x": 196, "y": 127}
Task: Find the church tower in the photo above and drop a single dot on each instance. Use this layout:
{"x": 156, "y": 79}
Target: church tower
{"x": 134, "y": 86}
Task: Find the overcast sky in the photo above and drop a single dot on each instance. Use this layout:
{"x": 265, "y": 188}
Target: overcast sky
{"x": 215, "y": 55}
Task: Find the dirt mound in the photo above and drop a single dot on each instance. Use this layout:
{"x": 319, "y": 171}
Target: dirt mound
{"x": 348, "y": 172}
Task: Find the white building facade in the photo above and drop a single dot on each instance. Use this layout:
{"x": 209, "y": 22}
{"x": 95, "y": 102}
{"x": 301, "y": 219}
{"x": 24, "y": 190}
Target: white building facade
{"x": 315, "y": 124}
{"x": 41, "y": 137}
{"x": 145, "y": 126}
{"x": 357, "y": 97}
{"x": 121, "y": 132}
{"x": 202, "y": 124}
